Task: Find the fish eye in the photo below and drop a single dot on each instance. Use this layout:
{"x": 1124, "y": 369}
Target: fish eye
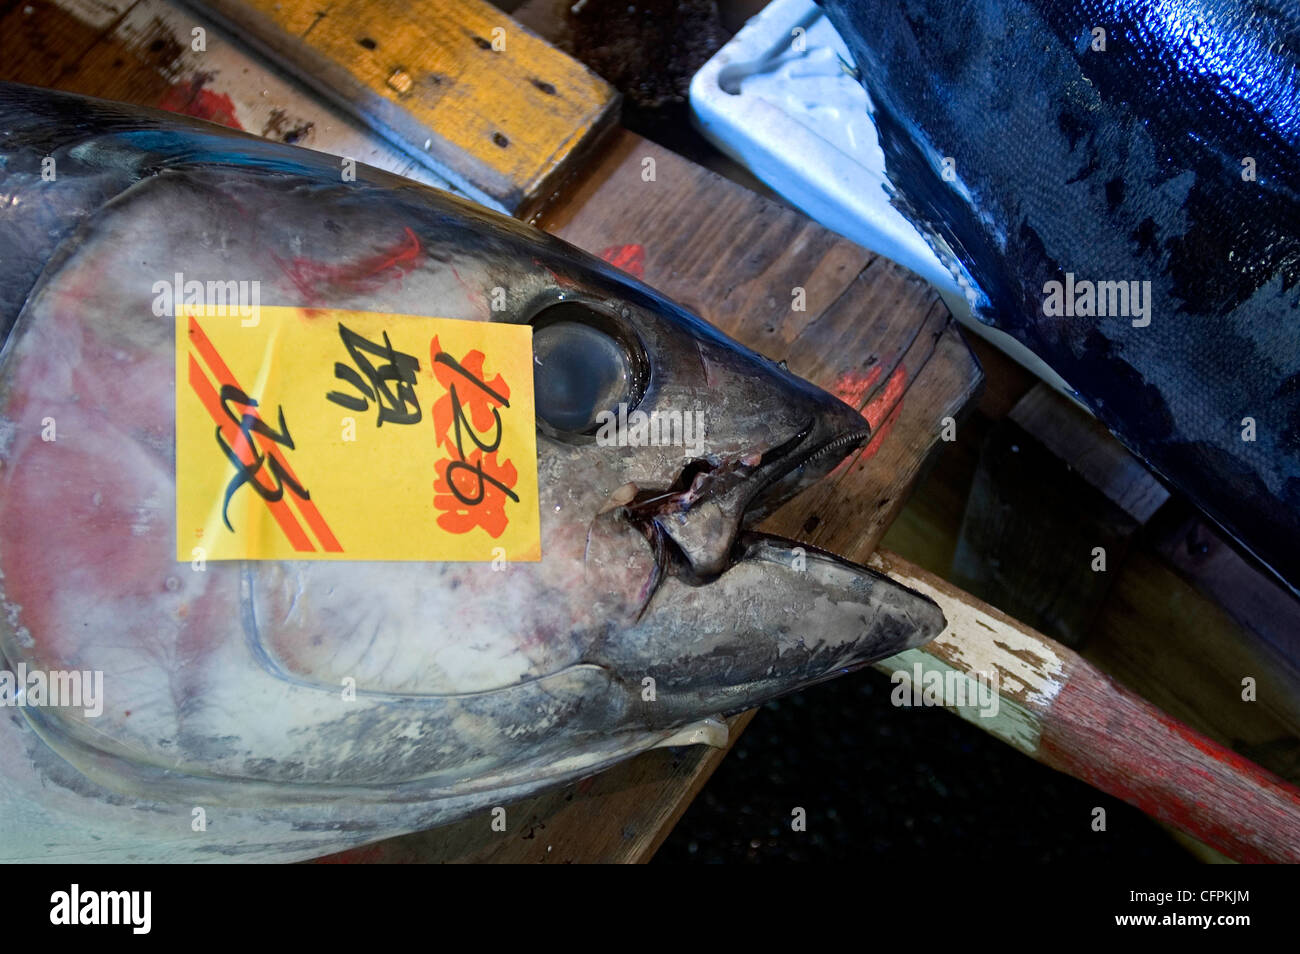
{"x": 584, "y": 364}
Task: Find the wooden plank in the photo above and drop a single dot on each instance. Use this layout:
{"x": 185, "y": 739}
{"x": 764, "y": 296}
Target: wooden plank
{"x": 1174, "y": 646}
{"x": 1005, "y": 382}
{"x": 1061, "y": 710}
{"x": 1076, "y": 437}
{"x": 1251, "y": 596}
{"x": 1038, "y": 540}
{"x": 1264, "y": 645}
{"x": 455, "y": 84}
{"x": 143, "y": 52}
{"x": 735, "y": 258}
{"x": 1052, "y": 511}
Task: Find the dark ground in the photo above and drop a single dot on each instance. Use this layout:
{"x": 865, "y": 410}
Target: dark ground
{"x": 876, "y": 781}
{"x": 890, "y": 783}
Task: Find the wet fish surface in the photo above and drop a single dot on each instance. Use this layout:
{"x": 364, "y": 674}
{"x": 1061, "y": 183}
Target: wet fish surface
{"x": 221, "y": 695}
{"x": 1047, "y": 147}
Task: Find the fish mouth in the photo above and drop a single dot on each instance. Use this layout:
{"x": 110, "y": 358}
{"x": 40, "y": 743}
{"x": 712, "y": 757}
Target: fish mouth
{"x": 790, "y": 468}
{"x": 735, "y": 617}
{"x": 694, "y": 525}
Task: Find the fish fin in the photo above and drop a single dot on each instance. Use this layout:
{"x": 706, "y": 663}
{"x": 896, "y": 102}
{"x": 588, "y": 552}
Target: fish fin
{"x": 712, "y": 732}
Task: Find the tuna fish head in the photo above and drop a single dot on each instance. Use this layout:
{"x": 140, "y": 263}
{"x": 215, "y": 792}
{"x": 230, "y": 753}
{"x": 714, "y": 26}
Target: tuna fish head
{"x": 309, "y": 705}
{"x": 716, "y": 615}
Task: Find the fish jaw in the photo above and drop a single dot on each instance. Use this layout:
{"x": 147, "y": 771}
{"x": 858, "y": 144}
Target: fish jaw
{"x": 737, "y": 617}
{"x": 781, "y": 617}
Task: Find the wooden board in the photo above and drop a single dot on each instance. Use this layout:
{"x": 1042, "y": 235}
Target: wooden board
{"x": 141, "y": 51}
{"x": 1251, "y": 596}
{"x": 1016, "y": 552}
{"x": 870, "y": 331}
{"x": 1183, "y": 653}
{"x": 456, "y": 84}
{"x": 1074, "y": 436}
{"x": 1048, "y": 458}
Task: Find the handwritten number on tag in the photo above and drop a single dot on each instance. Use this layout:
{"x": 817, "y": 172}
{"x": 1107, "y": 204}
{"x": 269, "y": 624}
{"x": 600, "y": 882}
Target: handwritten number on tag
{"x": 246, "y": 471}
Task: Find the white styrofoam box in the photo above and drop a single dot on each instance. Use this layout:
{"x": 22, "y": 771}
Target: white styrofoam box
{"x": 781, "y": 99}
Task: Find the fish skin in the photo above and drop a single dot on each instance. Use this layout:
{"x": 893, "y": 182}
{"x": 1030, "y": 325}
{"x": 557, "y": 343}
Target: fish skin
{"x": 1120, "y": 165}
{"x": 222, "y": 687}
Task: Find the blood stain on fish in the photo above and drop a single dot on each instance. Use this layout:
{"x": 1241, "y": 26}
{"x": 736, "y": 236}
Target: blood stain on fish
{"x": 318, "y": 280}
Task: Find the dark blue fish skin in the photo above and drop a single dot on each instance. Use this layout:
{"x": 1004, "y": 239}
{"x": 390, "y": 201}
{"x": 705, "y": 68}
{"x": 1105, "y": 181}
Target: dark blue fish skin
{"x": 1121, "y": 165}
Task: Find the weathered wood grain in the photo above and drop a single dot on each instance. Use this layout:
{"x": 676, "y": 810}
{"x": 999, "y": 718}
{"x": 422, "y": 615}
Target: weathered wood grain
{"x": 455, "y": 84}
{"x": 143, "y": 52}
{"x": 1083, "y": 442}
{"x": 1252, "y": 597}
{"x": 1185, "y": 620}
{"x": 1186, "y": 655}
{"x": 1051, "y": 515}
{"x": 1034, "y": 536}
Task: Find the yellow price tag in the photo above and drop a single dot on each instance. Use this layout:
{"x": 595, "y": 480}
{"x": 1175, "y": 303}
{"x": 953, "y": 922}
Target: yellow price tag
{"x": 315, "y": 434}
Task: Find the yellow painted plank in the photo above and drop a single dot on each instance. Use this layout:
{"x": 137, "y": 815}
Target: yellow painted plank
{"x": 456, "y": 84}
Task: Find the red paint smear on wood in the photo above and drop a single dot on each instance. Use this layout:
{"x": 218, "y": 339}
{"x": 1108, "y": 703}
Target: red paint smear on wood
{"x": 630, "y": 258}
{"x": 885, "y": 405}
{"x": 881, "y": 411}
{"x": 1112, "y": 739}
{"x": 317, "y": 281}
{"x": 852, "y": 387}
{"x": 192, "y": 99}
{"x": 879, "y": 434}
